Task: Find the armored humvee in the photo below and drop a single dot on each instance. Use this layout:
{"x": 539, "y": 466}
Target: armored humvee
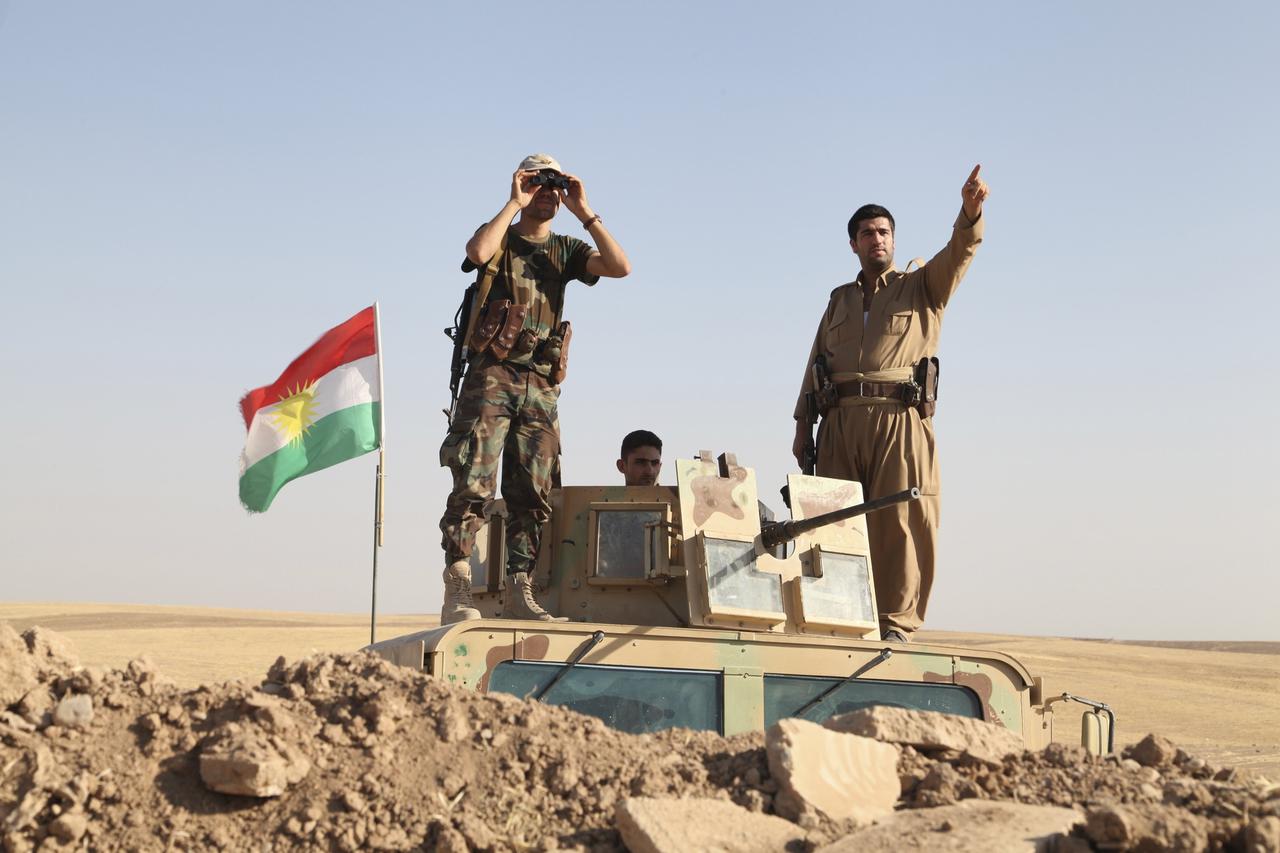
{"x": 686, "y": 608}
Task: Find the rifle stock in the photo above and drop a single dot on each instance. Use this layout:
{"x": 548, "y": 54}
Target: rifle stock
{"x": 812, "y": 408}
{"x": 464, "y": 322}
{"x": 458, "y": 361}
{"x": 809, "y": 457}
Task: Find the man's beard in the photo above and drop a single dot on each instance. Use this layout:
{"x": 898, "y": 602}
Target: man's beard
{"x": 878, "y": 265}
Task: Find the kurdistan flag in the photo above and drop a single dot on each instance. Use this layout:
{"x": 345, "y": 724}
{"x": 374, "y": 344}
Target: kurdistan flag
{"x": 324, "y": 409}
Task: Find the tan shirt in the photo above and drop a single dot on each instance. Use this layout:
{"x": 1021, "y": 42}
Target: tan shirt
{"x": 906, "y": 314}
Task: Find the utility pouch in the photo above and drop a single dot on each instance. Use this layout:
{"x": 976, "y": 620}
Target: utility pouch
{"x": 926, "y": 379}
{"x": 558, "y": 354}
{"x": 495, "y": 316}
{"x": 513, "y": 323}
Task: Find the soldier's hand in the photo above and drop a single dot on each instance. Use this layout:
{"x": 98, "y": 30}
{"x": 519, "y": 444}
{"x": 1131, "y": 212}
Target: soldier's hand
{"x": 973, "y": 193}
{"x": 521, "y": 192}
{"x": 801, "y": 440}
{"x": 575, "y": 198}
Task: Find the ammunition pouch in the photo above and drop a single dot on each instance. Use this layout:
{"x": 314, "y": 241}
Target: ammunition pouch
{"x": 526, "y": 343}
{"x": 486, "y": 330}
{"x": 499, "y": 329}
{"x": 501, "y": 333}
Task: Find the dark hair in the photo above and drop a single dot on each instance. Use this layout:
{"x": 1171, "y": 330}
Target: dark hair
{"x": 869, "y": 211}
{"x": 640, "y": 438}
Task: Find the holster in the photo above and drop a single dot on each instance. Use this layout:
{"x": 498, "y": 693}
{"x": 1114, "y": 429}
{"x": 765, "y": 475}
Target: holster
{"x": 825, "y": 395}
{"x": 926, "y": 380}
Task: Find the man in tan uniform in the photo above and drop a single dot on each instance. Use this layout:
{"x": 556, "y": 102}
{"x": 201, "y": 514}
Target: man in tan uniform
{"x": 874, "y": 332}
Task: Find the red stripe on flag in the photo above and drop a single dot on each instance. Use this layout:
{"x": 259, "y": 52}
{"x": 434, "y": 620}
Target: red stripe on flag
{"x": 349, "y": 341}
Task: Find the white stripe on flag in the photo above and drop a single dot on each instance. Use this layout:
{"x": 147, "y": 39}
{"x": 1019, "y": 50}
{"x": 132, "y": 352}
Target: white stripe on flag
{"x": 346, "y": 385}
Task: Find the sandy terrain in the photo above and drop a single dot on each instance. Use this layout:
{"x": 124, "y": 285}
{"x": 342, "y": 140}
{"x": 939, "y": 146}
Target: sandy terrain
{"x": 1221, "y": 700}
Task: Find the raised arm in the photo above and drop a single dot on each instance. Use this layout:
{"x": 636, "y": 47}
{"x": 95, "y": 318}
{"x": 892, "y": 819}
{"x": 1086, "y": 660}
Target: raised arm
{"x": 484, "y": 243}
{"x": 973, "y": 194}
{"x": 608, "y": 260}
{"x": 943, "y": 273}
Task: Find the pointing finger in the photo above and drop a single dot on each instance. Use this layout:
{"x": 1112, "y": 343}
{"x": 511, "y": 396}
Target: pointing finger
{"x": 973, "y": 176}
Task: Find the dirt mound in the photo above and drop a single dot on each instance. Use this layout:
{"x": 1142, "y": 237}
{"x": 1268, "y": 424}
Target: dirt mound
{"x": 347, "y": 752}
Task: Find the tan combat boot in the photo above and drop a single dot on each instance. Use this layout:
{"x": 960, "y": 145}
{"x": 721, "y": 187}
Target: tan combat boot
{"x": 458, "y": 606}
{"x": 520, "y": 603}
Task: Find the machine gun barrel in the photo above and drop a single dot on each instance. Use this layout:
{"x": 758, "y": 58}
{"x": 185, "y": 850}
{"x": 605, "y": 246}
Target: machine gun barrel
{"x": 784, "y": 531}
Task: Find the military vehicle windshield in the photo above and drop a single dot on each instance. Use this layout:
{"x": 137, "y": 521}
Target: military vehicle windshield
{"x": 630, "y": 699}
{"x": 784, "y": 695}
{"x": 644, "y": 699}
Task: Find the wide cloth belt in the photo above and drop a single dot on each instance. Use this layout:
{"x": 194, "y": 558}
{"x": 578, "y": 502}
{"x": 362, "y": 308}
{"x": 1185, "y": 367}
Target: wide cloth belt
{"x": 862, "y": 389}
{"x": 871, "y": 389}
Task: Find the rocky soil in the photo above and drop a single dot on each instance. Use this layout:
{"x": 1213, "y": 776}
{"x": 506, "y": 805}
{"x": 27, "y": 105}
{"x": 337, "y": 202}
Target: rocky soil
{"x": 347, "y": 752}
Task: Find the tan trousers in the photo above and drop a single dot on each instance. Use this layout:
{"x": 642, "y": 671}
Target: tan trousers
{"x": 888, "y": 448}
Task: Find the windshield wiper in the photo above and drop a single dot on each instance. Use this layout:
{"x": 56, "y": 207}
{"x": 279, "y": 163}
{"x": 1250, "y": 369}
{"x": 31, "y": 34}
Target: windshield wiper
{"x": 874, "y": 662}
{"x": 595, "y": 640}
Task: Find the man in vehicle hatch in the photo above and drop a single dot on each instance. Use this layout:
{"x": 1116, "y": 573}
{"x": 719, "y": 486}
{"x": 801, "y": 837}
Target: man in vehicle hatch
{"x": 517, "y": 352}
{"x": 640, "y": 461}
{"x": 872, "y": 376}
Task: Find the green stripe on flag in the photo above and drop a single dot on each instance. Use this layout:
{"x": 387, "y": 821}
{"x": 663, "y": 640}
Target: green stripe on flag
{"x": 335, "y": 438}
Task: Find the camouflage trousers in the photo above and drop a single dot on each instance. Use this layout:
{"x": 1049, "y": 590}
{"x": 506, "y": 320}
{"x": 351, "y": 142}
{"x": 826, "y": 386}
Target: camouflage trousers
{"x": 505, "y": 414}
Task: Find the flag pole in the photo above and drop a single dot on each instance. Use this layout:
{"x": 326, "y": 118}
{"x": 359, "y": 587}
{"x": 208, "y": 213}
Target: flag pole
{"x": 382, "y": 462}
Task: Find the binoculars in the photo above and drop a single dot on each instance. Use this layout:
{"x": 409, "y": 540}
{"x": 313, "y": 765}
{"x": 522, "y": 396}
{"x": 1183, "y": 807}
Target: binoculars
{"x": 553, "y": 179}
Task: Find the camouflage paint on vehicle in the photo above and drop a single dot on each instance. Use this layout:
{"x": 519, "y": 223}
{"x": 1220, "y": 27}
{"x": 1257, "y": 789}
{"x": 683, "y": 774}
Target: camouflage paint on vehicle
{"x": 453, "y": 652}
{"x": 640, "y": 566}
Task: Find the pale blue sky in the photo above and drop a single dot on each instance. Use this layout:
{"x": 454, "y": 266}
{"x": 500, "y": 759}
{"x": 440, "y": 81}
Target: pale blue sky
{"x": 191, "y": 193}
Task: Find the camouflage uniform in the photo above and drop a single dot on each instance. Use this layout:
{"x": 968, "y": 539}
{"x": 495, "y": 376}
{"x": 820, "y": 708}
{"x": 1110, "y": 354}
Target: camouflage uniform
{"x": 507, "y": 409}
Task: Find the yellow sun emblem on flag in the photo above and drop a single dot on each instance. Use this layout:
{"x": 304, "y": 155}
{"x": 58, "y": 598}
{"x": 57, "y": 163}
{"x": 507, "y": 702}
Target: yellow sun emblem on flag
{"x": 295, "y": 412}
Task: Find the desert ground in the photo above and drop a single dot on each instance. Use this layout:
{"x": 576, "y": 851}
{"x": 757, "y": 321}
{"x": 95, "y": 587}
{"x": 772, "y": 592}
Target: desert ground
{"x": 1220, "y": 700}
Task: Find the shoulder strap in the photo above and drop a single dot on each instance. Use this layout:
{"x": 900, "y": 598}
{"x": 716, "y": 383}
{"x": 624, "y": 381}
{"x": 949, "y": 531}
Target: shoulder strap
{"x": 919, "y": 262}
{"x": 841, "y": 287}
{"x": 484, "y": 283}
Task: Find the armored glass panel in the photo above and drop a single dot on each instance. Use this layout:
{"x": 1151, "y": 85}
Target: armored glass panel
{"x": 620, "y": 542}
{"x": 630, "y": 699}
{"x": 734, "y": 581}
{"x": 786, "y": 694}
{"x": 843, "y": 591}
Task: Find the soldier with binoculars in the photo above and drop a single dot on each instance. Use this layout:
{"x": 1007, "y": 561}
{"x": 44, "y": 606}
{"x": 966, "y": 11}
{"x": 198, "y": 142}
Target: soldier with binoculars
{"x": 516, "y": 352}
